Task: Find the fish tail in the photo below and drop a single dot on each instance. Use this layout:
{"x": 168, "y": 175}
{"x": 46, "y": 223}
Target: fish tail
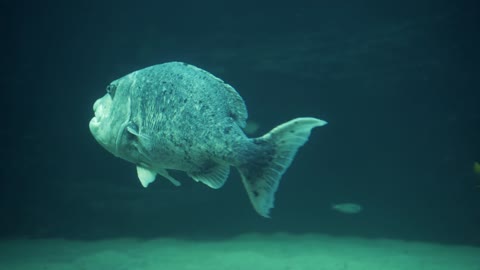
{"x": 273, "y": 154}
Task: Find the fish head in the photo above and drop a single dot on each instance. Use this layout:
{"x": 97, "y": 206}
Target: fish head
{"x": 112, "y": 116}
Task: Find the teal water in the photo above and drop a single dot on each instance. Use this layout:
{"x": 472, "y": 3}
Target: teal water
{"x": 397, "y": 83}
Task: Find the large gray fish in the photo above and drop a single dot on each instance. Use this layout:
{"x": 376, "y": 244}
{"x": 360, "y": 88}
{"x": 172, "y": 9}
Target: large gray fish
{"x": 175, "y": 116}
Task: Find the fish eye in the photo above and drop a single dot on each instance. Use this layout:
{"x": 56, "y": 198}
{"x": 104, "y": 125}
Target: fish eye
{"x": 111, "y": 88}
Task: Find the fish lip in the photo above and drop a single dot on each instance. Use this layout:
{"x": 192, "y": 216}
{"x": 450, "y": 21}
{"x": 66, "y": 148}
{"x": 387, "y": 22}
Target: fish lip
{"x": 96, "y": 104}
{"x": 93, "y": 124}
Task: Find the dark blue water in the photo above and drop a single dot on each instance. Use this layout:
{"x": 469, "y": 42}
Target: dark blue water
{"x": 397, "y": 82}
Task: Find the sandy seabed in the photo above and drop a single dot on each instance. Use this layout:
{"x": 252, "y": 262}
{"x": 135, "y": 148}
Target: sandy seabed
{"x": 253, "y": 251}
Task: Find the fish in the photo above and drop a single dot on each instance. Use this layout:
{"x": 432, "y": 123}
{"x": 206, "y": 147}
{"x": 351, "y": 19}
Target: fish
{"x": 476, "y": 171}
{"x": 175, "y": 116}
{"x": 348, "y": 208}
{"x": 251, "y": 127}
{"x": 476, "y": 168}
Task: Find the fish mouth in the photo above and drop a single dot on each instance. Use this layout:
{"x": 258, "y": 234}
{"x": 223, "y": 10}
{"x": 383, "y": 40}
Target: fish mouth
{"x": 100, "y": 109}
{"x": 95, "y": 121}
{"x": 96, "y": 104}
{"x": 94, "y": 125}
{"x": 96, "y": 110}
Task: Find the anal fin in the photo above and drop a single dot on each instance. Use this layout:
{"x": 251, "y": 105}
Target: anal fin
{"x": 215, "y": 177}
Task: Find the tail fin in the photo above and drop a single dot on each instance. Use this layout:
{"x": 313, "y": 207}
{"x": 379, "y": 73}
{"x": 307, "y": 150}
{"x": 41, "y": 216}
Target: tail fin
{"x": 261, "y": 175}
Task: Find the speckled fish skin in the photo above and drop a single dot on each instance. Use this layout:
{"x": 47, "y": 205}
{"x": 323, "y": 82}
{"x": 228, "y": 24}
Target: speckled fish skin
{"x": 177, "y": 116}
{"x": 181, "y": 129}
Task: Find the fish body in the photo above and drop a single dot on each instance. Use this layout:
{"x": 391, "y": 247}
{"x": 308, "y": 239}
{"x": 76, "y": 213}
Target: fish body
{"x": 476, "y": 171}
{"x": 347, "y": 208}
{"x": 476, "y": 168}
{"x": 175, "y": 116}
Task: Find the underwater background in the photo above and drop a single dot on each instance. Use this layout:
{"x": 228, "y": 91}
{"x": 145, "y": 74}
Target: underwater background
{"x": 398, "y": 82}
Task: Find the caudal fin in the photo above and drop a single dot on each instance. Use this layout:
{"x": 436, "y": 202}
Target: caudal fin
{"x": 276, "y": 150}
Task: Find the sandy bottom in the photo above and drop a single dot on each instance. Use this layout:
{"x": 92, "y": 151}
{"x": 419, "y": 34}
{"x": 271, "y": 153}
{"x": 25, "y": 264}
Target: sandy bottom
{"x": 279, "y": 252}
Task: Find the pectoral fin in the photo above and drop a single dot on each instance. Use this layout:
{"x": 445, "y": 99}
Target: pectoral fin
{"x": 132, "y": 128}
{"x": 145, "y": 176}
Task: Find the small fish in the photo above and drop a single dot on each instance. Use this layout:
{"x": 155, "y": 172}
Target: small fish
{"x": 251, "y": 127}
{"x": 348, "y": 208}
{"x": 175, "y": 116}
{"x": 476, "y": 168}
{"x": 476, "y": 171}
